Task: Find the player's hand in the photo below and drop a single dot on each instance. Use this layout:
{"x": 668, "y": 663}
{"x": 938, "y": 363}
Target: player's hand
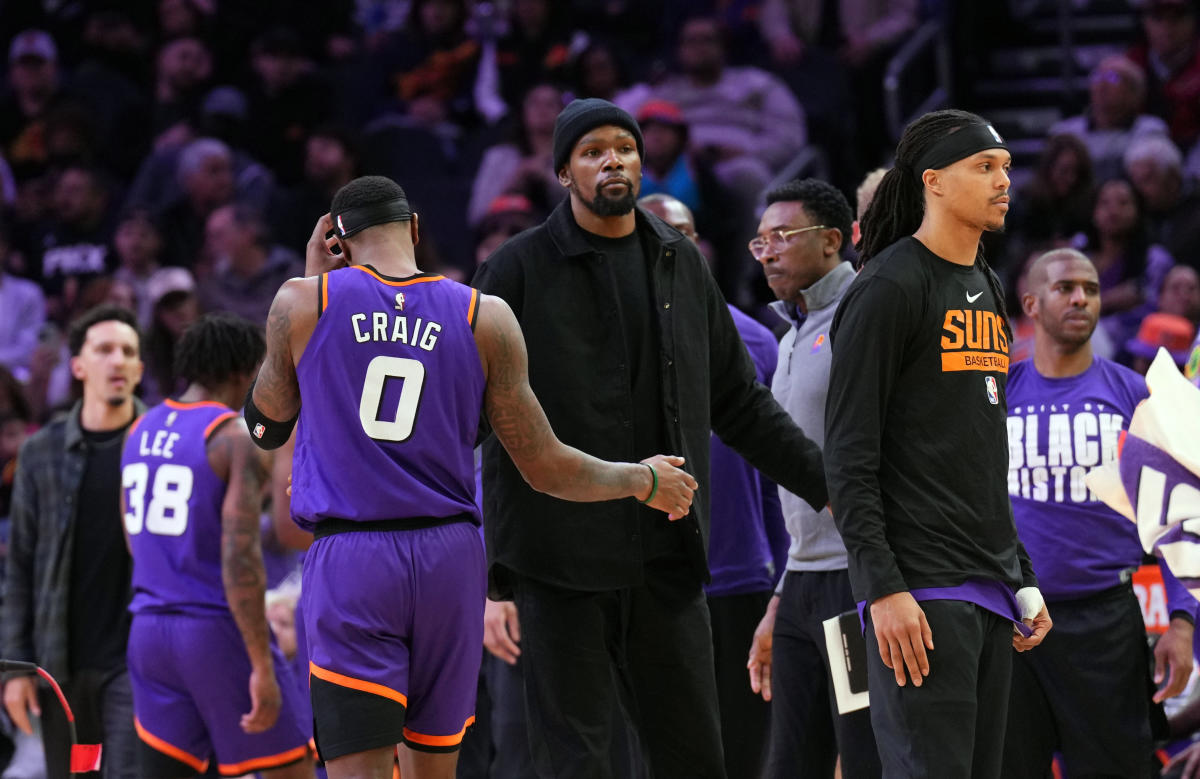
{"x": 265, "y": 701}
{"x": 318, "y": 255}
{"x": 1173, "y": 652}
{"x": 1189, "y": 759}
{"x": 20, "y": 698}
{"x": 1041, "y": 625}
{"x": 675, "y": 486}
{"x": 502, "y": 630}
{"x": 760, "y": 652}
{"x": 903, "y": 634}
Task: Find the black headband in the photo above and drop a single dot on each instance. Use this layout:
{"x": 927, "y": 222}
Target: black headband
{"x": 355, "y": 220}
{"x": 958, "y": 145}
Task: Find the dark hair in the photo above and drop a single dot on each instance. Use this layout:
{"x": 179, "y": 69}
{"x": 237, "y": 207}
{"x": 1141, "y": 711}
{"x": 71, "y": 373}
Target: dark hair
{"x": 247, "y": 216}
{"x": 365, "y": 191}
{"x": 14, "y": 404}
{"x": 218, "y": 347}
{"x": 1137, "y": 243}
{"x": 105, "y": 312}
{"x": 823, "y": 201}
{"x": 898, "y": 207}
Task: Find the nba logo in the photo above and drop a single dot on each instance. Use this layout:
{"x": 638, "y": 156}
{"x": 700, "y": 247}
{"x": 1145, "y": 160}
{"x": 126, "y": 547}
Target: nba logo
{"x": 259, "y": 430}
{"x": 341, "y": 227}
{"x": 399, "y": 301}
{"x": 992, "y": 392}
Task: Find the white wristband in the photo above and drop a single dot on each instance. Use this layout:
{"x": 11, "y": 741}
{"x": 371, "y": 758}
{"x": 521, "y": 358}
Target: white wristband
{"x": 1030, "y": 602}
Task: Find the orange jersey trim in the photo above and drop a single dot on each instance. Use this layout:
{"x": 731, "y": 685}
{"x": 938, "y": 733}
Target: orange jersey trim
{"x": 194, "y": 404}
{"x": 438, "y": 741}
{"x": 132, "y": 426}
{"x": 357, "y": 684}
{"x": 170, "y": 750}
{"x": 473, "y": 307}
{"x": 213, "y": 425}
{"x": 263, "y": 763}
{"x": 324, "y": 301}
{"x": 404, "y": 283}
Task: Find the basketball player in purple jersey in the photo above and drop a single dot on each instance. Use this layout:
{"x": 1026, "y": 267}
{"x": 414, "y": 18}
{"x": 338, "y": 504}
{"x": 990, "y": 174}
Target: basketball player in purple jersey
{"x": 394, "y": 366}
{"x": 207, "y": 677}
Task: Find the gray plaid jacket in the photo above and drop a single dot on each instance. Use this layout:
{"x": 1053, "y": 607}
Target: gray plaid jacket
{"x": 41, "y": 543}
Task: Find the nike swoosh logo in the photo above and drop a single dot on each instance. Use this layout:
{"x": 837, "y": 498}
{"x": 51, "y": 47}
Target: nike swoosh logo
{"x": 972, "y": 298}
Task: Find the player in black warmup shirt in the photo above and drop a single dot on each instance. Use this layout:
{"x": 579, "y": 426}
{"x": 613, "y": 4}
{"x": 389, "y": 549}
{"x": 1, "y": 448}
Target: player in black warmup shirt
{"x": 916, "y": 456}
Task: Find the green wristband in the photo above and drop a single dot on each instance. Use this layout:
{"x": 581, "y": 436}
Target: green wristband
{"x": 654, "y": 489}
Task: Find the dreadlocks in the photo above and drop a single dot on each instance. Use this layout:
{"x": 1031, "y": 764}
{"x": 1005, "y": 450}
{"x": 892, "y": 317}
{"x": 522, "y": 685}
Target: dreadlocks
{"x": 216, "y": 348}
{"x": 899, "y": 203}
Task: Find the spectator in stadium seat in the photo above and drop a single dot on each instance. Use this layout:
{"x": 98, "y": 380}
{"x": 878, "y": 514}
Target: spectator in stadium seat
{"x": 743, "y": 120}
{"x": 1160, "y": 331}
{"x": 331, "y": 160}
{"x": 138, "y": 247}
{"x": 248, "y": 268}
{"x": 72, "y": 246}
{"x": 537, "y": 48}
{"x": 525, "y": 162}
{"x": 1170, "y": 57}
{"x": 1114, "y": 116}
{"x": 507, "y": 215}
{"x": 68, "y": 566}
{"x": 431, "y": 65}
{"x": 184, "y": 68}
{"x": 599, "y": 71}
{"x": 1091, "y": 706}
{"x": 172, "y": 296}
{"x": 1172, "y": 198}
{"x": 1130, "y": 265}
{"x": 1057, "y": 202}
{"x": 671, "y": 168}
{"x": 206, "y": 177}
{"x": 22, "y": 312}
{"x": 1180, "y": 293}
{"x": 35, "y": 87}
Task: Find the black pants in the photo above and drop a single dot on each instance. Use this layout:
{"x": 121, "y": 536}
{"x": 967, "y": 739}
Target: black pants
{"x": 1084, "y": 692}
{"x": 953, "y": 724}
{"x": 102, "y": 702}
{"x": 807, "y": 733}
{"x": 649, "y": 647}
{"x": 497, "y": 745}
{"x": 745, "y": 716}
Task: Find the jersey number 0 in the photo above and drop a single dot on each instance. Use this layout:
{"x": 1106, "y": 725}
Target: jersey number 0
{"x": 379, "y": 370}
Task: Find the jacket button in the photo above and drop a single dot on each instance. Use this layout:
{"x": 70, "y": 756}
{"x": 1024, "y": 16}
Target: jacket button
{"x": 666, "y": 305}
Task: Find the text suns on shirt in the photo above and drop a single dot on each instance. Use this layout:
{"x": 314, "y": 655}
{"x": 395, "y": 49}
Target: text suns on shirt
{"x": 1051, "y": 447}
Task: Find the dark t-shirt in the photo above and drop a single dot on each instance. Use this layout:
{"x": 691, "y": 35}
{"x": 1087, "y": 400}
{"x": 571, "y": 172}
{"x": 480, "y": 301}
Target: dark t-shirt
{"x": 916, "y": 440}
{"x": 626, "y": 259}
{"x": 100, "y": 566}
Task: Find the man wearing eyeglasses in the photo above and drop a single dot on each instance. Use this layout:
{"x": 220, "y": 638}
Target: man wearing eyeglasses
{"x": 799, "y": 244}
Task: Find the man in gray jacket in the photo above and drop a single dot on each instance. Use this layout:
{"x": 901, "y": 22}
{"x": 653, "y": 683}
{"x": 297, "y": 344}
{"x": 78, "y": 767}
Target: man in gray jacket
{"x": 799, "y": 242}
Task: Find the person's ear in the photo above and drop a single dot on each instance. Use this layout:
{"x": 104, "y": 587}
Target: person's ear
{"x": 413, "y": 229}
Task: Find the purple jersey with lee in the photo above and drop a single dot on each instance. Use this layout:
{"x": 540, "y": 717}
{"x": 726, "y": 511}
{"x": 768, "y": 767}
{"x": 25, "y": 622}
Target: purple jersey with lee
{"x": 173, "y": 509}
{"x": 188, "y": 665}
{"x": 385, "y": 354}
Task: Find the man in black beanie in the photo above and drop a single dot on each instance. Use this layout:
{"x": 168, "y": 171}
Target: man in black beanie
{"x": 631, "y": 349}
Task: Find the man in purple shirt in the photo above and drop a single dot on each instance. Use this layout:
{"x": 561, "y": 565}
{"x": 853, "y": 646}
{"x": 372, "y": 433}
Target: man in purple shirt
{"x": 1084, "y": 693}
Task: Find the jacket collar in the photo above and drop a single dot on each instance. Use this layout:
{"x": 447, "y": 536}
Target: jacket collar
{"x": 822, "y": 294}
{"x": 74, "y": 429}
{"x": 569, "y": 239}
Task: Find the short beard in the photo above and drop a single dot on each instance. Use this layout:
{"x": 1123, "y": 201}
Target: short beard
{"x": 602, "y": 205}
{"x": 116, "y": 401}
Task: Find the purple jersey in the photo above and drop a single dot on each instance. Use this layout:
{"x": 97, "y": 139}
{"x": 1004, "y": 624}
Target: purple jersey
{"x": 1058, "y": 430}
{"x": 173, "y": 509}
{"x": 391, "y": 387}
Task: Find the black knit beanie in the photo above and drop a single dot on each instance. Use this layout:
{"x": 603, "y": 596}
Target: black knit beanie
{"x": 583, "y": 115}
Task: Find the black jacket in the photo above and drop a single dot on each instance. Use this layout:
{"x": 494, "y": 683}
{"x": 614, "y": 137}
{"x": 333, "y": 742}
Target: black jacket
{"x": 565, "y": 296}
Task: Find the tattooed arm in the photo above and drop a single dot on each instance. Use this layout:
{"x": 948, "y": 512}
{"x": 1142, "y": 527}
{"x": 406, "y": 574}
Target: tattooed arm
{"x": 246, "y": 471}
{"x": 549, "y": 465}
{"x": 289, "y": 325}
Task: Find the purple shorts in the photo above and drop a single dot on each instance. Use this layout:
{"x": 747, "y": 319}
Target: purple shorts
{"x": 190, "y": 676}
{"x": 394, "y": 623}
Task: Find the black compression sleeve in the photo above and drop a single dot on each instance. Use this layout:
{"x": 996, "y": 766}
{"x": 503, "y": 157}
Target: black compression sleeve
{"x": 265, "y": 432}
